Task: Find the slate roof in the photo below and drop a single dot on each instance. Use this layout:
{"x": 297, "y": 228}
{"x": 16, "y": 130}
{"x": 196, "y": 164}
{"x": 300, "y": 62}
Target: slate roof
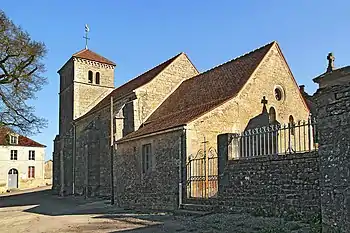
{"x": 90, "y": 55}
{"x": 22, "y": 140}
{"x": 202, "y": 93}
{"x": 133, "y": 84}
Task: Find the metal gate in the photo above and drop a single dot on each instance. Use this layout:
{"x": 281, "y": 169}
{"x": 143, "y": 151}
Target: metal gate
{"x": 202, "y": 174}
{"x": 13, "y": 178}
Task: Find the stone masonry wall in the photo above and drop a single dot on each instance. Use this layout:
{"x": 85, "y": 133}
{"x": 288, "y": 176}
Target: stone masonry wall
{"x": 333, "y": 114}
{"x": 273, "y": 186}
{"x": 92, "y": 154}
{"x": 157, "y": 189}
{"x": 92, "y": 162}
{"x": 56, "y": 165}
{"x": 87, "y": 95}
{"x": 150, "y": 95}
{"x": 66, "y": 96}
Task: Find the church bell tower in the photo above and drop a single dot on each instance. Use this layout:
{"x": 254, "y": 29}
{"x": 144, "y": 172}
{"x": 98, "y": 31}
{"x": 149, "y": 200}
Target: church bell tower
{"x": 85, "y": 79}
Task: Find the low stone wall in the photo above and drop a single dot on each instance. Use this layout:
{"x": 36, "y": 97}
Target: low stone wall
{"x": 284, "y": 186}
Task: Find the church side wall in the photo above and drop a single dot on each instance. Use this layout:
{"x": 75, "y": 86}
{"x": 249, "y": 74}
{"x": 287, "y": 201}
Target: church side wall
{"x": 158, "y": 189}
{"x": 93, "y": 152}
{"x": 150, "y": 96}
{"x": 90, "y": 151}
{"x": 234, "y": 115}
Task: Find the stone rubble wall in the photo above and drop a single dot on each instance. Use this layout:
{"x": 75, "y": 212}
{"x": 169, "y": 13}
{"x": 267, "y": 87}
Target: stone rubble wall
{"x": 285, "y": 186}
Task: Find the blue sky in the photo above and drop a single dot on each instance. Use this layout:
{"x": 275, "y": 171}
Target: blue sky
{"x": 138, "y": 35}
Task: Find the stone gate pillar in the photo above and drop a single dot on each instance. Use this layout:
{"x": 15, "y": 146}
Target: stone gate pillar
{"x": 228, "y": 149}
{"x": 333, "y": 119}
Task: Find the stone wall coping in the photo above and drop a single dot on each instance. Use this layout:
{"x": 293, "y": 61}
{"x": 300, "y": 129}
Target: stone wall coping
{"x": 297, "y": 156}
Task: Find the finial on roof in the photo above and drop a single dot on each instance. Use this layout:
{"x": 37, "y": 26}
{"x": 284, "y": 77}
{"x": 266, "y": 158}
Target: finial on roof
{"x": 330, "y": 59}
{"x": 87, "y": 29}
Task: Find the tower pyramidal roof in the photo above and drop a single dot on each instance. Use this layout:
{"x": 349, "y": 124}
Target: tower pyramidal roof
{"x": 90, "y": 55}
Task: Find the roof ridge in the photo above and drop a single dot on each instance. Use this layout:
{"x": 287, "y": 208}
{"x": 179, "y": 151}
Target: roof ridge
{"x": 236, "y": 58}
{"x": 154, "y": 67}
{"x": 130, "y": 82}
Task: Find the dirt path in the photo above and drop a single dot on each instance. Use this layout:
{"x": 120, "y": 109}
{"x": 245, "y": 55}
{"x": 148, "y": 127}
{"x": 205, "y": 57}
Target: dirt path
{"x": 39, "y": 211}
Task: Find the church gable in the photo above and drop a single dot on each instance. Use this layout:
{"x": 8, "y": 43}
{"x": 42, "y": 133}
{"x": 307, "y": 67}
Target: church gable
{"x": 274, "y": 80}
{"x": 271, "y": 84}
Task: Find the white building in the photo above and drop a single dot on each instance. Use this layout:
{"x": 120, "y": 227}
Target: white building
{"x": 21, "y": 161}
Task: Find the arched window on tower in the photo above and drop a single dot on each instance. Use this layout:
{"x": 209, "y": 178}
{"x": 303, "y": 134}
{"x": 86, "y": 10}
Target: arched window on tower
{"x": 97, "y": 78}
{"x": 291, "y": 125}
{"x": 90, "y": 76}
{"x": 272, "y": 115}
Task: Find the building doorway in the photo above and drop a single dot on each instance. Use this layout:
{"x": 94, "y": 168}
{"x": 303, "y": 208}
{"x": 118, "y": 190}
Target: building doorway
{"x": 13, "y": 179}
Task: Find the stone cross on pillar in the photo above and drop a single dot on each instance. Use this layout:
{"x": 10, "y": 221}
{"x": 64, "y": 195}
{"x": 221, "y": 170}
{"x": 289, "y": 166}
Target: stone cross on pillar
{"x": 264, "y": 102}
{"x": 330, "y": 59}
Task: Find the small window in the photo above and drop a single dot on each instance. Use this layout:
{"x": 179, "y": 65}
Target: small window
{"x": 13, "y": 155}
{"x": 146, "y": 158}
{"x": 272, "y": 115}
{"x": 13, "y": 139}
{"x": 90, "y": 76}
{"x": 98, "y": 78}
{"x": 279, "y": 93}
{"x": 32, "y": 155}
{"x": 31, "y": 172}
{"x": 291, "y": 125}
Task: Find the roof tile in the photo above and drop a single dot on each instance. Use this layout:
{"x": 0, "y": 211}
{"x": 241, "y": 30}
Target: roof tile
{"x": 133, "y": 84}
{"x": 22, "y": 140}
{"x": 198, "y": 95}
{"x": 90, "y": 55}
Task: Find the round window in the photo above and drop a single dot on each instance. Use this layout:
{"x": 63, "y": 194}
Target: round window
{"x": 278, "y": 93}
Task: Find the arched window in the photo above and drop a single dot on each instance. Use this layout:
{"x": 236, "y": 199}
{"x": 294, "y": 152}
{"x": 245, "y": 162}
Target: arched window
{"x": 272, "y": 115}
{"x": 291, "y": 125}
{"x": 90, "y": 76}
{"x": 97, "y": 78}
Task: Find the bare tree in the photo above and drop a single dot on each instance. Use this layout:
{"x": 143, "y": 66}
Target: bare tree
{"x": 21, "y": 76}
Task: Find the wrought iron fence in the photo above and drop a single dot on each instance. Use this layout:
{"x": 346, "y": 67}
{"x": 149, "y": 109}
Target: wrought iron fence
{"x": 277, "y": 139}
{"x": 202, "y": 174}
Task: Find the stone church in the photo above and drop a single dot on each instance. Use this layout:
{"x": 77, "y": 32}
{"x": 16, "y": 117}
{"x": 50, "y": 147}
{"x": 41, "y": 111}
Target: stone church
{"x": 160, "y": 119}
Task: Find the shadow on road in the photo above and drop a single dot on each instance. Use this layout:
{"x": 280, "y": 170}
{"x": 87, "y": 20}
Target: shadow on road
{"x": 49, "y": 204}
{"x": 46, "y": 203}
